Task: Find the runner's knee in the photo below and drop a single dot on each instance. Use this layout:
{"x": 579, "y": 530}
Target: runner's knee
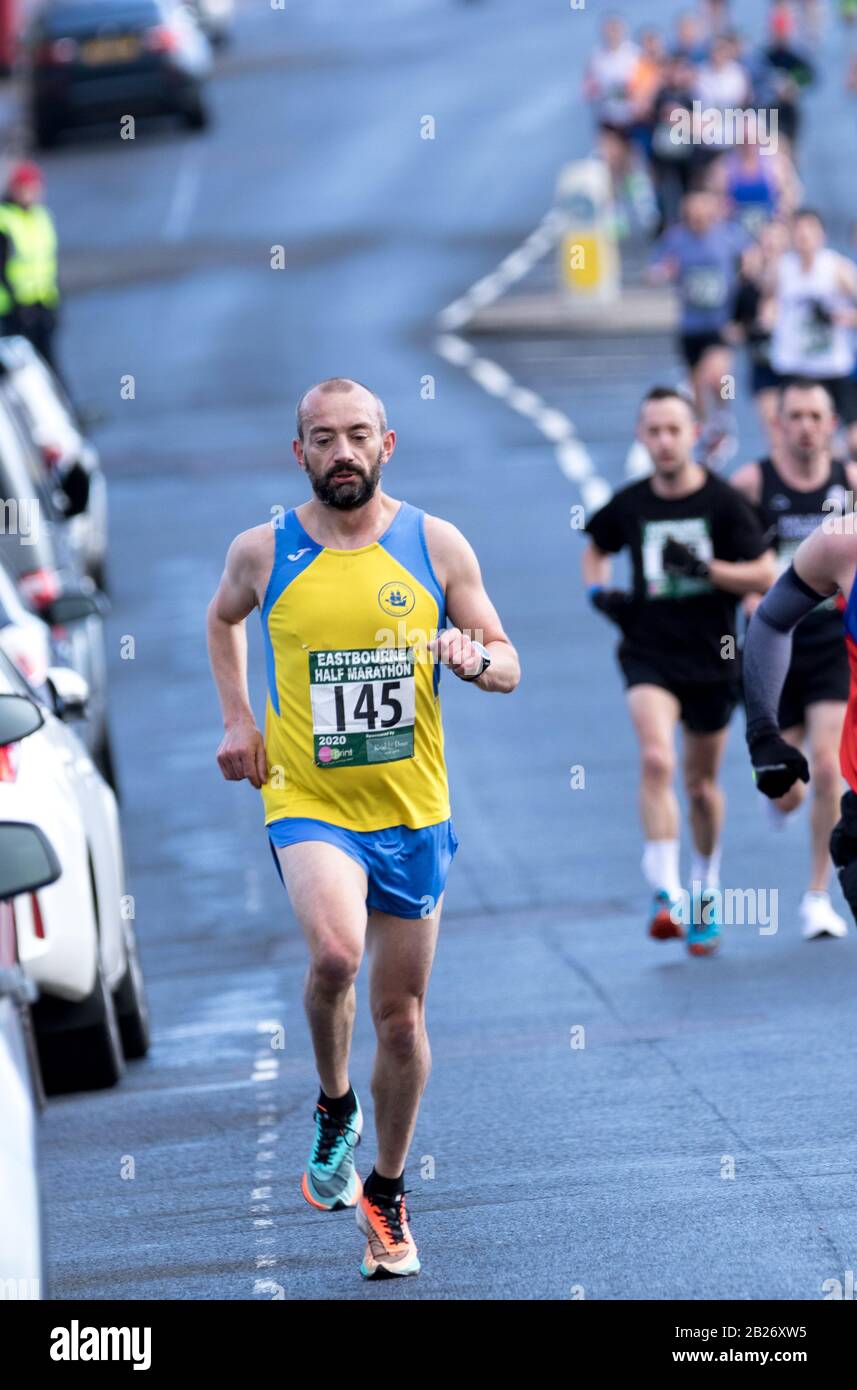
{"x": 334, "y": 967}
{"x": 701, "y": 789}
{"x": 400, "y": 1027}
{"x": 657, "y": 763}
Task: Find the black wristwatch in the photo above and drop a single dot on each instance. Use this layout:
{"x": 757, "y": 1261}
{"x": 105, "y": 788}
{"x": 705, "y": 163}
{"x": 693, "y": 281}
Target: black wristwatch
{"x": 486, "y": 662}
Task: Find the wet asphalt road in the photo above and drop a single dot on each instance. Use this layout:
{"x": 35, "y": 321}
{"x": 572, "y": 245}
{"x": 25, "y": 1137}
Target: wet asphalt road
{"x": 540, "y": 1170}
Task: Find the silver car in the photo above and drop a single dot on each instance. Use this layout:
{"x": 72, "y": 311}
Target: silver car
{"x": 70, "y": 460}
{"x": 36, "y": 550}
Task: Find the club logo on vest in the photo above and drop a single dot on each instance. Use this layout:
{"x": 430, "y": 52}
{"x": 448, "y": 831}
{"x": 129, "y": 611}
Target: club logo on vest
{"x": 396, "y": 599}
{"x": 780, "y": 503}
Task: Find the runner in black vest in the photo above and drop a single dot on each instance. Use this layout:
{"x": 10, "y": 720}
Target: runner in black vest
{"x": 793, "y": 494}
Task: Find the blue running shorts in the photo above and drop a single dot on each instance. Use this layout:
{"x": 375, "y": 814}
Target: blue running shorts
{"x": 406, "y": 869}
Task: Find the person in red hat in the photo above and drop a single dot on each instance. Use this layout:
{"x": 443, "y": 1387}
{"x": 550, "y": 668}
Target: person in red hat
{"x": 29, "y": 292}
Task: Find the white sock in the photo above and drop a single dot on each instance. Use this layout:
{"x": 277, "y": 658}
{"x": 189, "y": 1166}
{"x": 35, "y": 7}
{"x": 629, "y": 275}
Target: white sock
{"x": 660, "y": 867}
{"x": 705, "y": 869}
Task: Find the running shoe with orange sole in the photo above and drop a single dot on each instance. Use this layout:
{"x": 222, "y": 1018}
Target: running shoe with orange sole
{"x": 331, "y": 1181}
{"x": 665, "y": 922}
{"x": 390, "y": 1248}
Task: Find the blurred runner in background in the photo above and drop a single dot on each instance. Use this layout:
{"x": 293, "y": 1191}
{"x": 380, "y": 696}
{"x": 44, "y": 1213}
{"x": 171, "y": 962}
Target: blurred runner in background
{"x": 696, "y": 546}
{"x": 614, "y": 67}
{"x": 754, "y": 187}
{"x": 816, "y": 295}
{"x": 782, "y": 73}
{"x": 715, "y": 17}
{"x": 755, "y": 307}
{"x": 793, "y": 490}
{"x": 690, "y": 42}
{"x": 701, "y": 256}
{"x": 674, "y": 163}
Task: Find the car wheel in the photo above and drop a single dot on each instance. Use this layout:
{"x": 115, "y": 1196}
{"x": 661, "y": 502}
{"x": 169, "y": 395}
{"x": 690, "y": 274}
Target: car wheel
{"x": 132, "y": 1008}
{"x": 103, "y": 759}
{"x": 46, "y": 133}
{"x": 80, "y": 1047}
{"x": 98, "y": 575}
{"x": 195, "y": 114}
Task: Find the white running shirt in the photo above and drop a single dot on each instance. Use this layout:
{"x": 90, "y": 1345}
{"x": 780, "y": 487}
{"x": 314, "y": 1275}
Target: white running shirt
{"x": 803, "y": 343}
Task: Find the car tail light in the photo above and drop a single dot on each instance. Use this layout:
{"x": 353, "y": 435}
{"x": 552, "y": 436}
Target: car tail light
{"x": 9, "y": 759}
{"x": 161, "y": 39}
{"x": 40, "y": 587}
{"x": 26, "y": 647}
{"x": 38, "y": 920}
{"x": 51, "y": 453}
{"x": 57, "y": 52}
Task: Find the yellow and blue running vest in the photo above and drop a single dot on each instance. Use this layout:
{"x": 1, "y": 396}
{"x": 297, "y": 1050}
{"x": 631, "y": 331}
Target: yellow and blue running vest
{"x": 353, "y": 731}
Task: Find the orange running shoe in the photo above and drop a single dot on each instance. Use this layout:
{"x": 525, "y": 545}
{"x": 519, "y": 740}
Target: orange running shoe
{"x": 390, "y": 1248}
{"x": 665, "y": 920}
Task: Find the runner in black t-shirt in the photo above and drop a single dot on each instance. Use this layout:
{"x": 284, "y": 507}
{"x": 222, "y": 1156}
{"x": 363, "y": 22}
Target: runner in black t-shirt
{"x": 695, "y": 547}
{"x": 793, "y": 493}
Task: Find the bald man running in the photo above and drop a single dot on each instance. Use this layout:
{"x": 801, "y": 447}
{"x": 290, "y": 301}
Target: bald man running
{"x": 362, "y": 599}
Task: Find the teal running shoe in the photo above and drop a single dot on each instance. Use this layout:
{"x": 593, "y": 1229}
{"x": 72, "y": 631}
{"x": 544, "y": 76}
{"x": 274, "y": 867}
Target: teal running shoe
{"x": 703, "y": 933}
{"x": 331, "y": 1181}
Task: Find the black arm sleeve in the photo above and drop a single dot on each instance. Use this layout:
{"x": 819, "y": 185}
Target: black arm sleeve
{"x": 768, "y": 648}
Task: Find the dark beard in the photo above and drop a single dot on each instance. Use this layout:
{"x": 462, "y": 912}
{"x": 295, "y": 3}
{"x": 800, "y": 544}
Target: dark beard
{"x": 347, "y": 497}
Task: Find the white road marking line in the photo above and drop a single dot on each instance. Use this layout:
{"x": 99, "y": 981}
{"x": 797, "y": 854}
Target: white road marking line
{"x": 638, "y": 462}
{"x": 265, "y": 1069}
{"x": 185, "y": 190}
{"x": 572, "y": 456}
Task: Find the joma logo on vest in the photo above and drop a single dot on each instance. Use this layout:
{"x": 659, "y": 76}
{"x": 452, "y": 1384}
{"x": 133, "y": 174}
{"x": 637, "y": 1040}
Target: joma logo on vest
{"x": 76, "y": 1343}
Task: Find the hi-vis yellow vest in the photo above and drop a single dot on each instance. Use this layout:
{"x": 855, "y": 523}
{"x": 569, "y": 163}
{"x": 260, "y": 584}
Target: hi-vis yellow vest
{"x": 31, "y": 269}
{"x": 353, "y": 732}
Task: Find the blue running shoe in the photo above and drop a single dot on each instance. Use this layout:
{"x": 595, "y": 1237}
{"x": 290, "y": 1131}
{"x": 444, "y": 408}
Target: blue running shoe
{"x": 703, "y": 933}
{"x": 331, "y": 1181}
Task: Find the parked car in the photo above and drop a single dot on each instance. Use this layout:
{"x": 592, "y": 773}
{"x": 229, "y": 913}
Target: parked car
{"x": 27, "y": 864}
{"x": 96, "y": 60}
{"x": 76, "y": 938}
{"x": 36, "y": 549}
{"x": 70, "y": 459}
{"x": 24, "y": 638}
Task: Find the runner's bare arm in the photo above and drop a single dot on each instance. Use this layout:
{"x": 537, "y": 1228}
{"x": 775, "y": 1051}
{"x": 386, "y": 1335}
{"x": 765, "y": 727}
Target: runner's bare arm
{"x": 826, "y": 560}
{"x": 847, "y": 277}
{"x": 242, "y": 750}
{"x": 744, "y": 576}
{"x": 748, "y": 480}
{"x": 596, "y": 566}
{"x": 471, "y": 610}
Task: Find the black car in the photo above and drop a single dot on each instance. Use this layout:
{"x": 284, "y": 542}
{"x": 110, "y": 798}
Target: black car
{"x": 99, "y": 60}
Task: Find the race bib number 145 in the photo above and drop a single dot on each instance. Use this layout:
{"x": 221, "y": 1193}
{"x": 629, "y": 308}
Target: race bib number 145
{"x": 363, "y": 706}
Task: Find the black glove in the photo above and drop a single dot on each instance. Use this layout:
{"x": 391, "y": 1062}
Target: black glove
{"x": 680, "y": 559}
{"x": 777, "y": 765}
{"x": 616, "y": 604}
